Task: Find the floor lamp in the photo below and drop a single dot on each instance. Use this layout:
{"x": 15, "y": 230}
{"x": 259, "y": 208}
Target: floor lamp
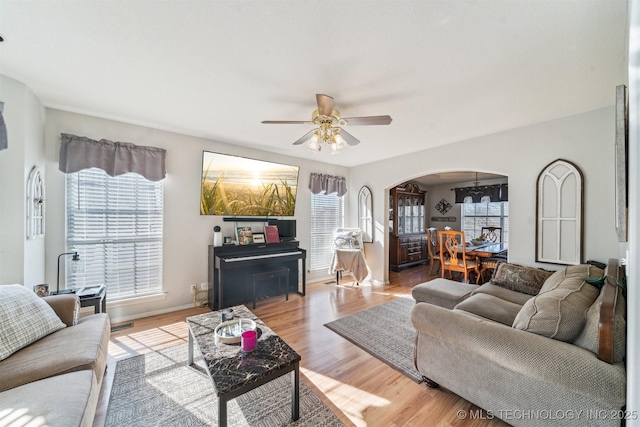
{"x": 75, "y": 258}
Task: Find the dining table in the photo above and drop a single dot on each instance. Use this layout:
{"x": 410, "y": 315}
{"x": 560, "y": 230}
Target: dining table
{"x": 487, "y": 249}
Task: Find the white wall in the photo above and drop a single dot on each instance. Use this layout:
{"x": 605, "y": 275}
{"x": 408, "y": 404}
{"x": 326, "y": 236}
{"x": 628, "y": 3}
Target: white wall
{"x": 520, "y": 154}
{"x": 21, "y": 260}
{"x": 187, "y": 234}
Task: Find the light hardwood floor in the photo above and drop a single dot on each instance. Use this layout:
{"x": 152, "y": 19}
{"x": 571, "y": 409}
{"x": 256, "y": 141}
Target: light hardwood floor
{"x": 359, "y": 388}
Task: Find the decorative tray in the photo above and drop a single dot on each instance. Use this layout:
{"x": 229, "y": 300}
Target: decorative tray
{"x": 229, "y": 332}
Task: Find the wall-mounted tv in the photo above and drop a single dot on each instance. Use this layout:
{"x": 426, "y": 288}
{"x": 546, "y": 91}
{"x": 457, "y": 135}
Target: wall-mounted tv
{"x": 239, "y": 186}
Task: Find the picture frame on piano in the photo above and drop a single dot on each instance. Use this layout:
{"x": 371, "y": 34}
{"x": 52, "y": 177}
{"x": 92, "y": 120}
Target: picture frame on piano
{"x": 258, "y": 238}
{"x": 244, "y": 235}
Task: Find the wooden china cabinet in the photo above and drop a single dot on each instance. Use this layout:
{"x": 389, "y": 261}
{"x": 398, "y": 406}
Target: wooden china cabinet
{"x": 407, "y": 227}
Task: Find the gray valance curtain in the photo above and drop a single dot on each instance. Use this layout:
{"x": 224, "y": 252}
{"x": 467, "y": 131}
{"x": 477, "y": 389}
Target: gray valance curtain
{"x": 496, "y": 193}
{"x": 4, "y": 143}
{"x": 328, "y": 184}
{"x": 115, "y": 158}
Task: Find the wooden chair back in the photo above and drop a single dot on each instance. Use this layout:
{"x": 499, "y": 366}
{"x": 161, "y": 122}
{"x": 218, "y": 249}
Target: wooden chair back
{"x": 492, "y": 234}
{"x": 455, "y": 259}
{"x": 433, "y": 247}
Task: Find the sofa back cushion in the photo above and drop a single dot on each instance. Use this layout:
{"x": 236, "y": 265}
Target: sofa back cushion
{"x": 24, "y": 319}
{"x": 559, "y": 310}
{"x": 519, "y": 278}
{"x": 588, "y": 338}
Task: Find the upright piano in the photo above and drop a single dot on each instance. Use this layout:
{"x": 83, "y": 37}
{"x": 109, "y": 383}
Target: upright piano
{"x": 231, "y": 268}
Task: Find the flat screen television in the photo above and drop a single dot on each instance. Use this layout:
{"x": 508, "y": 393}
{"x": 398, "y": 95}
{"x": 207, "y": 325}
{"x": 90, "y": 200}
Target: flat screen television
{"x": 286, "y": 228}
{"x": 239, "y": 186}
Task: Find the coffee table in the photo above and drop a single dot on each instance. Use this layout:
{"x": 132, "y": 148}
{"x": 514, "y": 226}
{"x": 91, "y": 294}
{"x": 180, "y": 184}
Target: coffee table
{"x": 234, "y": 372}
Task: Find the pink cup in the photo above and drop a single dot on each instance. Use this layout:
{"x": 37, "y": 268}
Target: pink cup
{"x": 248, "y": 340}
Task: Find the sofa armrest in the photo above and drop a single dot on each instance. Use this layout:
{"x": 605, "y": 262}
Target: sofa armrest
{"x": 66, "y": 307}
{"x": 607, "y": 322}
{"x": 527, "y": 354}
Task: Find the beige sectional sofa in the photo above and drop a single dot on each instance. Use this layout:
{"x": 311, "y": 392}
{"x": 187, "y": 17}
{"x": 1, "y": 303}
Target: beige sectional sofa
{"x": 56, "y": 380}
{"x": 531, "y": 347}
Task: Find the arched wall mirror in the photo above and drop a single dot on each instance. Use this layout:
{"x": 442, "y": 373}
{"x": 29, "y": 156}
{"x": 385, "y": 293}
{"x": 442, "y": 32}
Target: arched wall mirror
{"x": 35, "y": 204}
{"x": 559, "y": 214}
{"x": 365, "y": 214}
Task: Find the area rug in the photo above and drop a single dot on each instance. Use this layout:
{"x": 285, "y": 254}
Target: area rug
{"x": 385, "y": 331}
{"x": 159, "y": 389}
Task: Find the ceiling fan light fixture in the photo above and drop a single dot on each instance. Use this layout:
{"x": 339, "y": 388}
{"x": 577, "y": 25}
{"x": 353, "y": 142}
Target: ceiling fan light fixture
{"x": 340, "y": 142}
{"x": 328, "y": 122}
{"x": 313, "y": 143}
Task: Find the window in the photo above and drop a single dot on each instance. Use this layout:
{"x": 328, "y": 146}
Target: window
{"x": 478, "y": 215}
{"x": 115, "y": 224}
{"x": 327, "y": 214}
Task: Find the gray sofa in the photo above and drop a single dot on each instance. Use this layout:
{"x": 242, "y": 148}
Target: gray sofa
{"x": 56, "y": 380}
{"x": 530, "y": 347}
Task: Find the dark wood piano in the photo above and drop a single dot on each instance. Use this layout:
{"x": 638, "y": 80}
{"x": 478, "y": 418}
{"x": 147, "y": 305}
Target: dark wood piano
{"x": 231, "y": 270}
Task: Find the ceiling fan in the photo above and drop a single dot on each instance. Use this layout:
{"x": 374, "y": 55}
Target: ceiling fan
{"x": 328, "y": 120}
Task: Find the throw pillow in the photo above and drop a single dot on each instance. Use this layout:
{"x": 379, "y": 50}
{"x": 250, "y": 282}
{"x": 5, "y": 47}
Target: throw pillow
{"x": 24, "y": 319}
{"x": 559, "y": 310}
{"x": 588, "y": 338}
{"x": 519, "y": 278}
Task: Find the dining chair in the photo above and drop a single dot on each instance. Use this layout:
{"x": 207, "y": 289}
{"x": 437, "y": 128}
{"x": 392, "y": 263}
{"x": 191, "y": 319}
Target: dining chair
{"x": 488, "y": 265}
{"x": 433, "y": 248}
{"x": 492, "y": 234}
{"x": 455, "y": 259}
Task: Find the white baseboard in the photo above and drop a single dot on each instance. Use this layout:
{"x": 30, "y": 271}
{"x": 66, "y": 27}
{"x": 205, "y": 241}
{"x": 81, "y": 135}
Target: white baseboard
{"x": 150, "y": 313}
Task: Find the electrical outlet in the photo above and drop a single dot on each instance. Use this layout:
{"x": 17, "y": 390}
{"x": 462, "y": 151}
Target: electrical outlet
{"x": 204, "y": 286}
{"x": 193, "y": 289}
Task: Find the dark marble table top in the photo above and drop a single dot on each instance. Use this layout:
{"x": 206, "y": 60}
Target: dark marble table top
{"x": 229, "y": 367}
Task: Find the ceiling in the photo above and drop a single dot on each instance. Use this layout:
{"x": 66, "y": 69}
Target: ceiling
{"x": 444, "y": 70}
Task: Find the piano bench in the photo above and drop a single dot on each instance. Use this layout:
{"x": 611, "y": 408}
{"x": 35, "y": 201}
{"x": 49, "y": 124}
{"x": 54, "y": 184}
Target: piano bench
{"x": 279, "y": 273}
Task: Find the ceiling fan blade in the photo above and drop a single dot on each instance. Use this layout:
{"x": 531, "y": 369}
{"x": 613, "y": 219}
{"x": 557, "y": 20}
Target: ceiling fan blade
{"x": 285, "y": 122}
{"x": 371, "y": 120}
{"x": 305, "y": 137}
{"x": 325, "y": 104}
{"x": 349, "y": 139}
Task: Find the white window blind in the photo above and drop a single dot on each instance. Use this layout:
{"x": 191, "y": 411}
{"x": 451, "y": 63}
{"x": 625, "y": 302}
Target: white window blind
{"x": 478, "y": 215}
{"x": 115, "y": 224}
{"x": 327, "y": 214}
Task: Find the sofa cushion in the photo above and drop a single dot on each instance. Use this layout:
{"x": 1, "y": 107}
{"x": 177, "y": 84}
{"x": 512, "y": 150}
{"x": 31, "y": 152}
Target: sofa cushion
{"x": 64, "y": 400}
{"x": 588, "y": 338}
{"x": 442, "y": 292}
{"x": 503, "y": 293}
{"x": 490, "y": 307}
{"x": 24, "y": 319}
{"x": 520, "y": 278}
{"x": 559, "y": 310}
{"x": 76, "y": 348}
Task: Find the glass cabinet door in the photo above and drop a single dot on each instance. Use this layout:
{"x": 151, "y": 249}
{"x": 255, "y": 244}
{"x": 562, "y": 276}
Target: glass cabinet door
{"x": 400, "y": 215}
{"x": 391, "y": 208}
{"x": 416, "y": 214}
{"x": 408, "y": 226}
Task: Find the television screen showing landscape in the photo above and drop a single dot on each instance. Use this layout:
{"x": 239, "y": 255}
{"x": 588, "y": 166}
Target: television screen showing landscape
{"x": 239, "y": 186}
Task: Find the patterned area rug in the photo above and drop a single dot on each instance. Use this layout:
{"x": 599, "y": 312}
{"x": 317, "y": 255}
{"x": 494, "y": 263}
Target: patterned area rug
{"x": 385, "y": 331}
{"x": 159, "y": 389}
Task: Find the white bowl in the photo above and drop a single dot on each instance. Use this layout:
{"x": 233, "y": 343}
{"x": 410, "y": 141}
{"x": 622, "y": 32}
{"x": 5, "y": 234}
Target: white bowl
{"x": 230, "y": 332}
